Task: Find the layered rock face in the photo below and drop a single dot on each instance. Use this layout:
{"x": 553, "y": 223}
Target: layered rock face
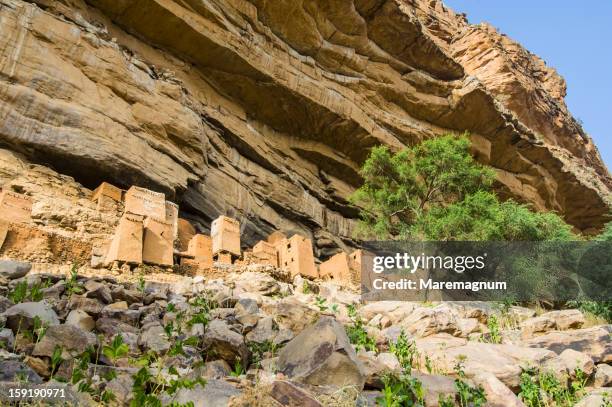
{"x": 264, "y": 111}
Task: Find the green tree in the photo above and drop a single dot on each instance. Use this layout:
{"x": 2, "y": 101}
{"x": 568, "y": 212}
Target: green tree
{"x": 437, "y": 191}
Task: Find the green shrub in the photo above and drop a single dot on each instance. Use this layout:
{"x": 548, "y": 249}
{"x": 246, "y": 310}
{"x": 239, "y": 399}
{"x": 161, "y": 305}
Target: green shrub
{"x": 356, "y": 332}
{"x": 405, "y": 351}
{"x": 401, "y": 390}
{"x": 436, "y": 191}
{"x": 539, "y": 389}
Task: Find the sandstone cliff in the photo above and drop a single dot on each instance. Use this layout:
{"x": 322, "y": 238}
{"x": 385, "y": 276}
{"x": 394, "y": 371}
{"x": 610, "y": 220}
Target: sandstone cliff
{"x": 264, "y": 110}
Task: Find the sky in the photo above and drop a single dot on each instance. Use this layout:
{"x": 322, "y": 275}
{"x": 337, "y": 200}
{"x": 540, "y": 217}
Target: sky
{"x": 574, "y": 37}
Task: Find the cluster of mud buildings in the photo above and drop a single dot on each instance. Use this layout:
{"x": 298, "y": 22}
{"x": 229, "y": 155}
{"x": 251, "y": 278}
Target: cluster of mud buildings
{"x": 150, "y": 231}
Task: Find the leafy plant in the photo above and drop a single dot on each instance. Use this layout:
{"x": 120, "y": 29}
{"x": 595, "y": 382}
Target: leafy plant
{"x": 445, "y": 401}
{"x": 436, "y": 191}
{"x": 469, "y": 396}
{"x": 405, "y": 351}
{"x": 238, "y": 369}
{"x": 116, "y": 349}
{"x": 73, "y": 286}
{"x": 401, "y": 390}
{"x": 321, "y": 303}
{"x": 540, "y": 389}
{"x": 19, "y": 293}
{"x": 356, "y": 332}
{"x": 260, "y": 351}
{"x": 141, "y": 283}
{"x": 494, "y": 331}
{"x": 56, "y": 359}
{"x": 602, "y": 309}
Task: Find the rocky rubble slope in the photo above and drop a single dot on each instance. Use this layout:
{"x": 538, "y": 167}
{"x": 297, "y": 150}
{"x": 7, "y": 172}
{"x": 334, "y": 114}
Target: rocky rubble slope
{"x": 259, "y": 340}
{"x": 264, "y": 110}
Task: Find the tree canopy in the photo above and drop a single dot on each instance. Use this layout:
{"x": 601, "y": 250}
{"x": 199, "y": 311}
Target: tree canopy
{"x": 437, "y": 191}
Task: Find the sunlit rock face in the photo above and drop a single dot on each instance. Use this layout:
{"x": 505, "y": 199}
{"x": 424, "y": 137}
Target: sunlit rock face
{"x": 265, "y": 110}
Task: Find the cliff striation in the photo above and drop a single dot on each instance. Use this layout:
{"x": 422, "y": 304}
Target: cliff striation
{"x": 265, "y": 110}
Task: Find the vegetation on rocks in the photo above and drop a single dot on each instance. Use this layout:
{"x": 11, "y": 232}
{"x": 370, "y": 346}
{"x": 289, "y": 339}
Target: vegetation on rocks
{"x": 437, "y": 191}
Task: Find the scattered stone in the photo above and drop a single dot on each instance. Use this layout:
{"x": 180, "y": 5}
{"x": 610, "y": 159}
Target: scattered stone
{"x": 258, "y": 283}
{"x": 122, "y": 294}
{"x": 288, "y": 394}
{"x": 111, "y": 327}
{"x": 216, "y": 369}
{"x": 7, "y": 339}
{"x": 429, "y": 321}
{"x": 90, "y": 305}
{"x": 247, "y": 312}
{"x": 14, "y": 269}
{"x": 81, "y": 319}
{"x": 292, "y": 314}
{"x": 263, "y": 331}
{"x": 603, "y": 376}
{"x": 322, "y": 355}
{"x": 216, "y": 393}
{"x": 577, "y": 360}
{"x": 597, "y": 398}
{"x": 221, "y": 341}
{"x": 153, "y": 337}
{"x": 497, "y": 393}
{"x": 594, "y": 342}
{"x": 98, "y": 290}
{"x": 12, "y": 370}
{"x": 504, "y": 361}
{"x": 566, "y": 319}
{"x": 71, "y": 339}
{"x": 375, "y": 367}
{"x": 537, "y": 325}
{"x": 40, "y": 366}
{"x": 121, "y": 387}
{"x": 5, "y": 304}
{"x": 436, "y": 386}
{"x": 21, "y": 316}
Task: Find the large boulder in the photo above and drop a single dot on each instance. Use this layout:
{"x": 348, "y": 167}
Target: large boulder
{"x": 376, "y": 366}
{"x": 226, "y": 344}
{"x": 498, "y": 394}
{"x": 573, "y": 360}
{"x": 81, "y": 319}
{"x": 594, "y": 342}
{"x": 263, "y": 331}
{"x": 322, "y": 355}
{"x": 153, "y": 338}
{"x": 430, "y": 321}
{"x": 71, "y": 339}
{"x": 14, "y": 269}
{"x": 537, "y": 325}
{"x": 260, "y": 283}
{"x": 21, "y": 316}
{"x": 505, "y": 361}
{"x": 291, "y": 313}
{"x": 603, "y": 376}
{"x": 566, "y": 319}
{"x": 247, "y": 312}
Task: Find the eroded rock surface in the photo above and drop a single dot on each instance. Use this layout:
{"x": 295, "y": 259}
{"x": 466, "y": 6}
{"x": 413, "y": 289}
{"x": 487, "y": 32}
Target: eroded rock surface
{"x": 233, "y": 108}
